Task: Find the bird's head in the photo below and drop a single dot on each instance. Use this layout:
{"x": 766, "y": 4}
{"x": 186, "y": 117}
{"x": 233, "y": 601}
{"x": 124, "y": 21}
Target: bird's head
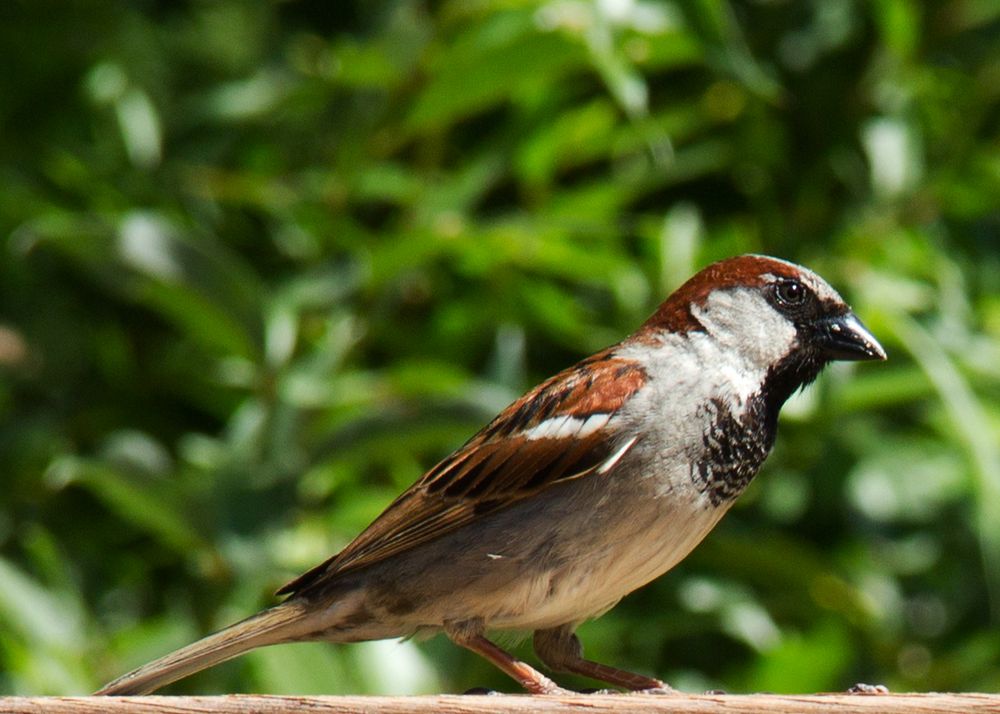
{"x": 779, "y": 319}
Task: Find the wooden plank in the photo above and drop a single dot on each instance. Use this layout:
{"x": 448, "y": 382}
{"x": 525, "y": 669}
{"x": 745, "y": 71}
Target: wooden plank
{"x": 513, "y": 704}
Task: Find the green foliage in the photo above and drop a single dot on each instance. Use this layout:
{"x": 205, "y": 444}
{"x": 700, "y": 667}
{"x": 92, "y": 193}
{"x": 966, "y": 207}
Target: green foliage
{"x": 264, "y": 263}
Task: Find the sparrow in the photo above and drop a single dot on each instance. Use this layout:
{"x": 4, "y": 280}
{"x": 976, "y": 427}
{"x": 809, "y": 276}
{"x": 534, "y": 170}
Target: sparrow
{"x": 592, "y": 484}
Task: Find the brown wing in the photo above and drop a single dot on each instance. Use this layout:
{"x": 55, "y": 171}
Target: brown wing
{"x": 521, "y": 452}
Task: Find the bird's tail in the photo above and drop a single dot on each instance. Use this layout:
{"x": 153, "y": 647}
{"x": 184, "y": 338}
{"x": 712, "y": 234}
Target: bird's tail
{"x": 283, "y": 623}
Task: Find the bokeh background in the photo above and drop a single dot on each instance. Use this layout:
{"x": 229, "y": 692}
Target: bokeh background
{"x": 263, "y": 263}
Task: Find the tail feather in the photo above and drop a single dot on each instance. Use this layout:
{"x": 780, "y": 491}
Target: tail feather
{"x": 282, "y": 623}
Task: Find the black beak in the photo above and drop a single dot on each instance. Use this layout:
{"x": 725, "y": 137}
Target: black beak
{"x": 844, "y": 338}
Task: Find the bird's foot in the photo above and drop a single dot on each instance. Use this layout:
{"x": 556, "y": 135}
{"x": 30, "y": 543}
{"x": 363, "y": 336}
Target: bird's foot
{"x": 862, "y": 688}
{"x": 556, "y": 690}
{"x": 658, "y": 689}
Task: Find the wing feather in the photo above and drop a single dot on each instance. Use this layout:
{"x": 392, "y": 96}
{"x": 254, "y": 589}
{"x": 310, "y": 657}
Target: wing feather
{"x": 522, "y": 451}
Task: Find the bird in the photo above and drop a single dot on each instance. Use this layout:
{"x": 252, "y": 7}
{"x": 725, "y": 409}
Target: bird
{"x": 592, "y": 484}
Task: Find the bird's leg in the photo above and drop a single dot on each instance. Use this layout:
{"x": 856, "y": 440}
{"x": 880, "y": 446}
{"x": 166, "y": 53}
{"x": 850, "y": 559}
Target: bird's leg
{"x": 561, "y": 650}
{"x": 469, "y": 634}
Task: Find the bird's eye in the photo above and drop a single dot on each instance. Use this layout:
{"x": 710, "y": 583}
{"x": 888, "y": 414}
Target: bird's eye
{"x": 790, "y": 293}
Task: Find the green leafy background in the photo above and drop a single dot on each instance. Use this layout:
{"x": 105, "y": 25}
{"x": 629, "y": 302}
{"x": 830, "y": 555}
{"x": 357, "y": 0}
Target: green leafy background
{"x": 263, "y": 263}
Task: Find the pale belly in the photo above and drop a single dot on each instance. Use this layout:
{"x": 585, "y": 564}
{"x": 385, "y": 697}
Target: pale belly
{"x": 562, "y": 558}
{"x": 587, "y": 589}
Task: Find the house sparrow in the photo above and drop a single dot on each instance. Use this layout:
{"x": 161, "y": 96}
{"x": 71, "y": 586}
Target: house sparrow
{"x": 589, "y": 486}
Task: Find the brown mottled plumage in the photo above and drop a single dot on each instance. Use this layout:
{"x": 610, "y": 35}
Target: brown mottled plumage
{"x": 587, "y": 487}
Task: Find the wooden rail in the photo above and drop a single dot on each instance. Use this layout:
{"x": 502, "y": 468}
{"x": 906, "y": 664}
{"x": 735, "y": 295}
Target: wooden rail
{"x": 513, "y": 704}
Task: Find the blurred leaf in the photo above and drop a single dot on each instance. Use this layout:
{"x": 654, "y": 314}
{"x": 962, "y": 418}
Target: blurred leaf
{"x": 490, "y": 65}
{"x": 50, "y": 628}
{"x": 303, "y": 669}
{"x": 265, "y": 263}
{"x": 207, "y": 291}
{"x": 146, "y": 504}
{"x": 813, "y": 661}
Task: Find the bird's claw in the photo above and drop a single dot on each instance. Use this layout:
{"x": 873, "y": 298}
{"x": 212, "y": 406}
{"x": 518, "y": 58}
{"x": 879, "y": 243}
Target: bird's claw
{"x": 662, "y": 688}
{"x": 862, "y": 688}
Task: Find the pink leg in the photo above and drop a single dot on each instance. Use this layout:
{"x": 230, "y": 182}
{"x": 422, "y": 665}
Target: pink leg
{"x": 531, "y": 679}
{"x": 561, "y": 650}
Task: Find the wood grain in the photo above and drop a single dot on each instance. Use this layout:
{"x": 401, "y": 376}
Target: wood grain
{"x": 514, "y": 704}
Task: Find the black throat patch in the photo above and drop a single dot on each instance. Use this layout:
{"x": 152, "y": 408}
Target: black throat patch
{"x": 733, "y": 448}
